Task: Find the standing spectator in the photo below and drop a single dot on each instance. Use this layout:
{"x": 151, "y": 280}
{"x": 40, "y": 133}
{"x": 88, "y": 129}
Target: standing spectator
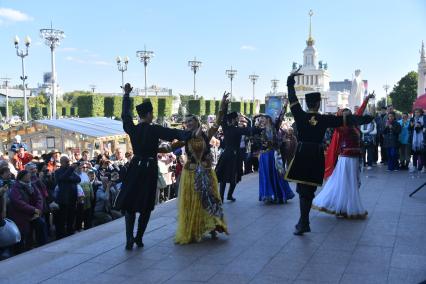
{"x": 103, "y": 213}
{"x": 381, "y": 123}
{"x": 84, "y": 208}
{"x": 418, "y": 127}
{"x": 390, "y": 141}
{"x": 404, "y": 142}
{"x": 55, "y": 156}
{"x": 21, "y": 158}
{"x": 369, "y": 132}
{"x": 66, "y": 197}
{"x": 25, "y": 209}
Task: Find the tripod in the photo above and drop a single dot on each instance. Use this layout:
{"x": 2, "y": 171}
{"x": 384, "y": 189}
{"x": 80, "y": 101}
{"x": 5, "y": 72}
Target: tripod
{"x": 417, "y": 189}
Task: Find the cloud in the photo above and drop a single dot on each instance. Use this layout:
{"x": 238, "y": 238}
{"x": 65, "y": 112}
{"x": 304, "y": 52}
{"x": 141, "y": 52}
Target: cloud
{"x": 12, "y": 15}
{"x": 68, "y": 49}
{"x": 248, "y": 47}
{"x": 90, "y": 62}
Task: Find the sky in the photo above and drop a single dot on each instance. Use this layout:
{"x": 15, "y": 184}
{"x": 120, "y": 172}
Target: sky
{"x": 381, "y": 37}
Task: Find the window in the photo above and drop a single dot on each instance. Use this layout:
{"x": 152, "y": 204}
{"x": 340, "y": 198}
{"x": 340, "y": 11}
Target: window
{"x": 50, "y": 142}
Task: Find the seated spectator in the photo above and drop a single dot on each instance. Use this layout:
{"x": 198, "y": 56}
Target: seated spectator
{"x": 5, "y": 159}
{"x": 25, "y": 209}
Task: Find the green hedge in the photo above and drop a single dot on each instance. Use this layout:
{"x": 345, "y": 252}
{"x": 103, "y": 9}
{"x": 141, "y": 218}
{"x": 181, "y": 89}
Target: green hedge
{"x": 197, "y": 107}
{"x": 237, "y": 106}
{"x": 74, "y": 111}
{"x": 112, "y": 106}
{"x": 165, "y": 106}
{"x": 247, "y": 109}
{"x": 90, "y": 105}
{"x": 36, "y": 113}
{"x": 217, "y": 106}
{"x": 262, "y": 108}
{"x": 210, "y": 107}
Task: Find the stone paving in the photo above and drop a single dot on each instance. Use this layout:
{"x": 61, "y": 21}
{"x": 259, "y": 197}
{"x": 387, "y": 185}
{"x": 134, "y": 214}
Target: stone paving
{"x": 388, "y": 247}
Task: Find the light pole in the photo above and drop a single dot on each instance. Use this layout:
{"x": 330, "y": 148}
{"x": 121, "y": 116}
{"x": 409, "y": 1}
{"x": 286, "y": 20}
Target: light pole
{"x": 145, "y": 57}
{"x": 6, "y": 82}
{"x": 93, "y": 88}
{"x": 386, "y": 88}
{"x": 231, "y": 74}
{"x": 195, "y": 65}
{"x": 122, "y": 67}
{"x": 275, "y": 85}
{"x": 253, "y": 78}
{"x": 52, "y": 39}
{"x": 21, "y": 53}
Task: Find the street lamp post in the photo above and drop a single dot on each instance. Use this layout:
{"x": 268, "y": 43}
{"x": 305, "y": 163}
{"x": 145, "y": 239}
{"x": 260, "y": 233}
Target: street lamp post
{"x": 275, "y": 85}
{"x": 145, "y": 57}
{"x": 195, "y": 65}
{"x": 6, "y": 82}
{"x": 21, "y": 53}
{"x": 386, "y": 88}
{"x": 253, "y": 78}
{"x": 122, "y": 67}
{"x": 231, "y": 74}
{"x": 52, "y": 39}
{"x": 93, "y": 88}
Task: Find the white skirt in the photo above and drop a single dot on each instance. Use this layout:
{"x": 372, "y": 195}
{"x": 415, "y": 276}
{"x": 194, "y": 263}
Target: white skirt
{"x": 340, "y": 195}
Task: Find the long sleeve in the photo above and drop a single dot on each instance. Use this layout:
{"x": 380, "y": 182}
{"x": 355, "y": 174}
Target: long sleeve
{"x": 169, "y": 134}
{"x": 295, "y": 107}
{"x": 212, "y": 130}
{"x": 348, "y": 120}
{"x": 362, "y": 108}
{"x": 126, "y": 116}
{"x": 67, "y": 175}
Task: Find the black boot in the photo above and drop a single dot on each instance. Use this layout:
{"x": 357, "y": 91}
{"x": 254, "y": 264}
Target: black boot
{"x": 230, "y": 192}
{"x": 142, "y": 224}
{"x": 130, "y": 223}
{"x": 303, "y": 225}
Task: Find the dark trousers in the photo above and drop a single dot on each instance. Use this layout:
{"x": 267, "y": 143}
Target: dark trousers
{"x": 392, "y": 153}
{"x": 383, "y": 151}
{"x": 230, "y": 191}
{"x": 83, "y": 216}
{"x": 419, "y": 160}
{"x": 64, "y": 220}
{"x": 306, "y": 195}
{"x": 38, "y": 226}
{"x": 368, "y": 150}
{"x": 130, "y": 218}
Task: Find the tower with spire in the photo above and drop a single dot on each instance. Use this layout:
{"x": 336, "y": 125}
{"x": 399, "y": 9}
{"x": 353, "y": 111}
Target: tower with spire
{"x": 421, "y": 81}
{"x": 316, "y": 77}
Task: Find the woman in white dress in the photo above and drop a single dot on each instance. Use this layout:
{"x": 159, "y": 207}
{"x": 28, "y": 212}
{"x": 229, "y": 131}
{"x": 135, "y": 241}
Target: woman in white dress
{"x": 340, "y": 195}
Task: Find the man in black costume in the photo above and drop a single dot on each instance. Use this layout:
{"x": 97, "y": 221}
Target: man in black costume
{"x": 228, "y": 169}
{"x": 139, "y": 187}
{"x": 307, "y": 167}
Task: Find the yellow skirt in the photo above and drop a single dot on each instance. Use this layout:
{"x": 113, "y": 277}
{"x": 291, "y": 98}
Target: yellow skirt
{"x": 193, "y": 220}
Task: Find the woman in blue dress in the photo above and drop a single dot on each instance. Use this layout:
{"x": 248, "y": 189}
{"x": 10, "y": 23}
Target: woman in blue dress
{"x": 272, "y": 186}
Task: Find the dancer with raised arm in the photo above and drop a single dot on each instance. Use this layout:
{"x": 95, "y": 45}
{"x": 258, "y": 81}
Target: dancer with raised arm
{"x": 138, "y": 190}
{"x": 199, "y": 204}
{"x": 340, "y": 195}
{"x": 307, "y": 166}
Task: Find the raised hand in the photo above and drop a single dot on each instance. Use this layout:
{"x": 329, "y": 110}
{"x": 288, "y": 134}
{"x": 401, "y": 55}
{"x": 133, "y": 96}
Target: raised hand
{"x": 290, "y": 80}
{"x": 225, "y": 100}
{"x": 128, "y": 88}
{"x": 371, "y": 95}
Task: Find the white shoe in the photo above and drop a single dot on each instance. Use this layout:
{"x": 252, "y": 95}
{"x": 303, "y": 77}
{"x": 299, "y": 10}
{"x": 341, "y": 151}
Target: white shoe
{"x": 369, "y": 168}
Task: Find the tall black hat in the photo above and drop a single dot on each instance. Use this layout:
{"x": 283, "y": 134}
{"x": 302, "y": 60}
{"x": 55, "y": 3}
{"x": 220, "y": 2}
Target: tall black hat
{"x": 144, "y": 108}
{"x": 312, "y": 98}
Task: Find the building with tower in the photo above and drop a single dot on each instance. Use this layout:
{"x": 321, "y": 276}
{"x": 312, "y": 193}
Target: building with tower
{"x": 316, "y": 78}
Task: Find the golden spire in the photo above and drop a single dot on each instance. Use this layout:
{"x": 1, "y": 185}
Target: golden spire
{"x": 310, "y": 41}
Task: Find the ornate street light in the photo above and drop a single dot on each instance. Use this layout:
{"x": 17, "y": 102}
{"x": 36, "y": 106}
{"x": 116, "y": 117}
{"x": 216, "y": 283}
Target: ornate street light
{"x": 122, "y": 67}
{"x": 386, "y": 87}
{"x": 21, "y": 53}
{"x": 52, "y": 39}
{"x": 253, "y": 78}
{"x": 231, "y": 74}
{"x": 145, "y": 57}
{"x": 195, "y": 65}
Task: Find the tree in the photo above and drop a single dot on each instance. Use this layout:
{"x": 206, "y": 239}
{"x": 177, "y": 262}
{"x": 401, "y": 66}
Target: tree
{"x": 35, "y": 113}
{"x": 404, "y": 93}
{"x": 17, "y": 108}
{"x": 381, "y": 103}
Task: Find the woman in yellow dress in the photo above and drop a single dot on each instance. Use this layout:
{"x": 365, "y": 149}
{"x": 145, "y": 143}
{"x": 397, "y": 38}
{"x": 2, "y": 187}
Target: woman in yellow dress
{"x": 199, "y": 203}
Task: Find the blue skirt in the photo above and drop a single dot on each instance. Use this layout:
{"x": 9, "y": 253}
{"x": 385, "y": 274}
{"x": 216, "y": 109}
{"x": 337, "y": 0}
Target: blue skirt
{"x": 272, "y": 186}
